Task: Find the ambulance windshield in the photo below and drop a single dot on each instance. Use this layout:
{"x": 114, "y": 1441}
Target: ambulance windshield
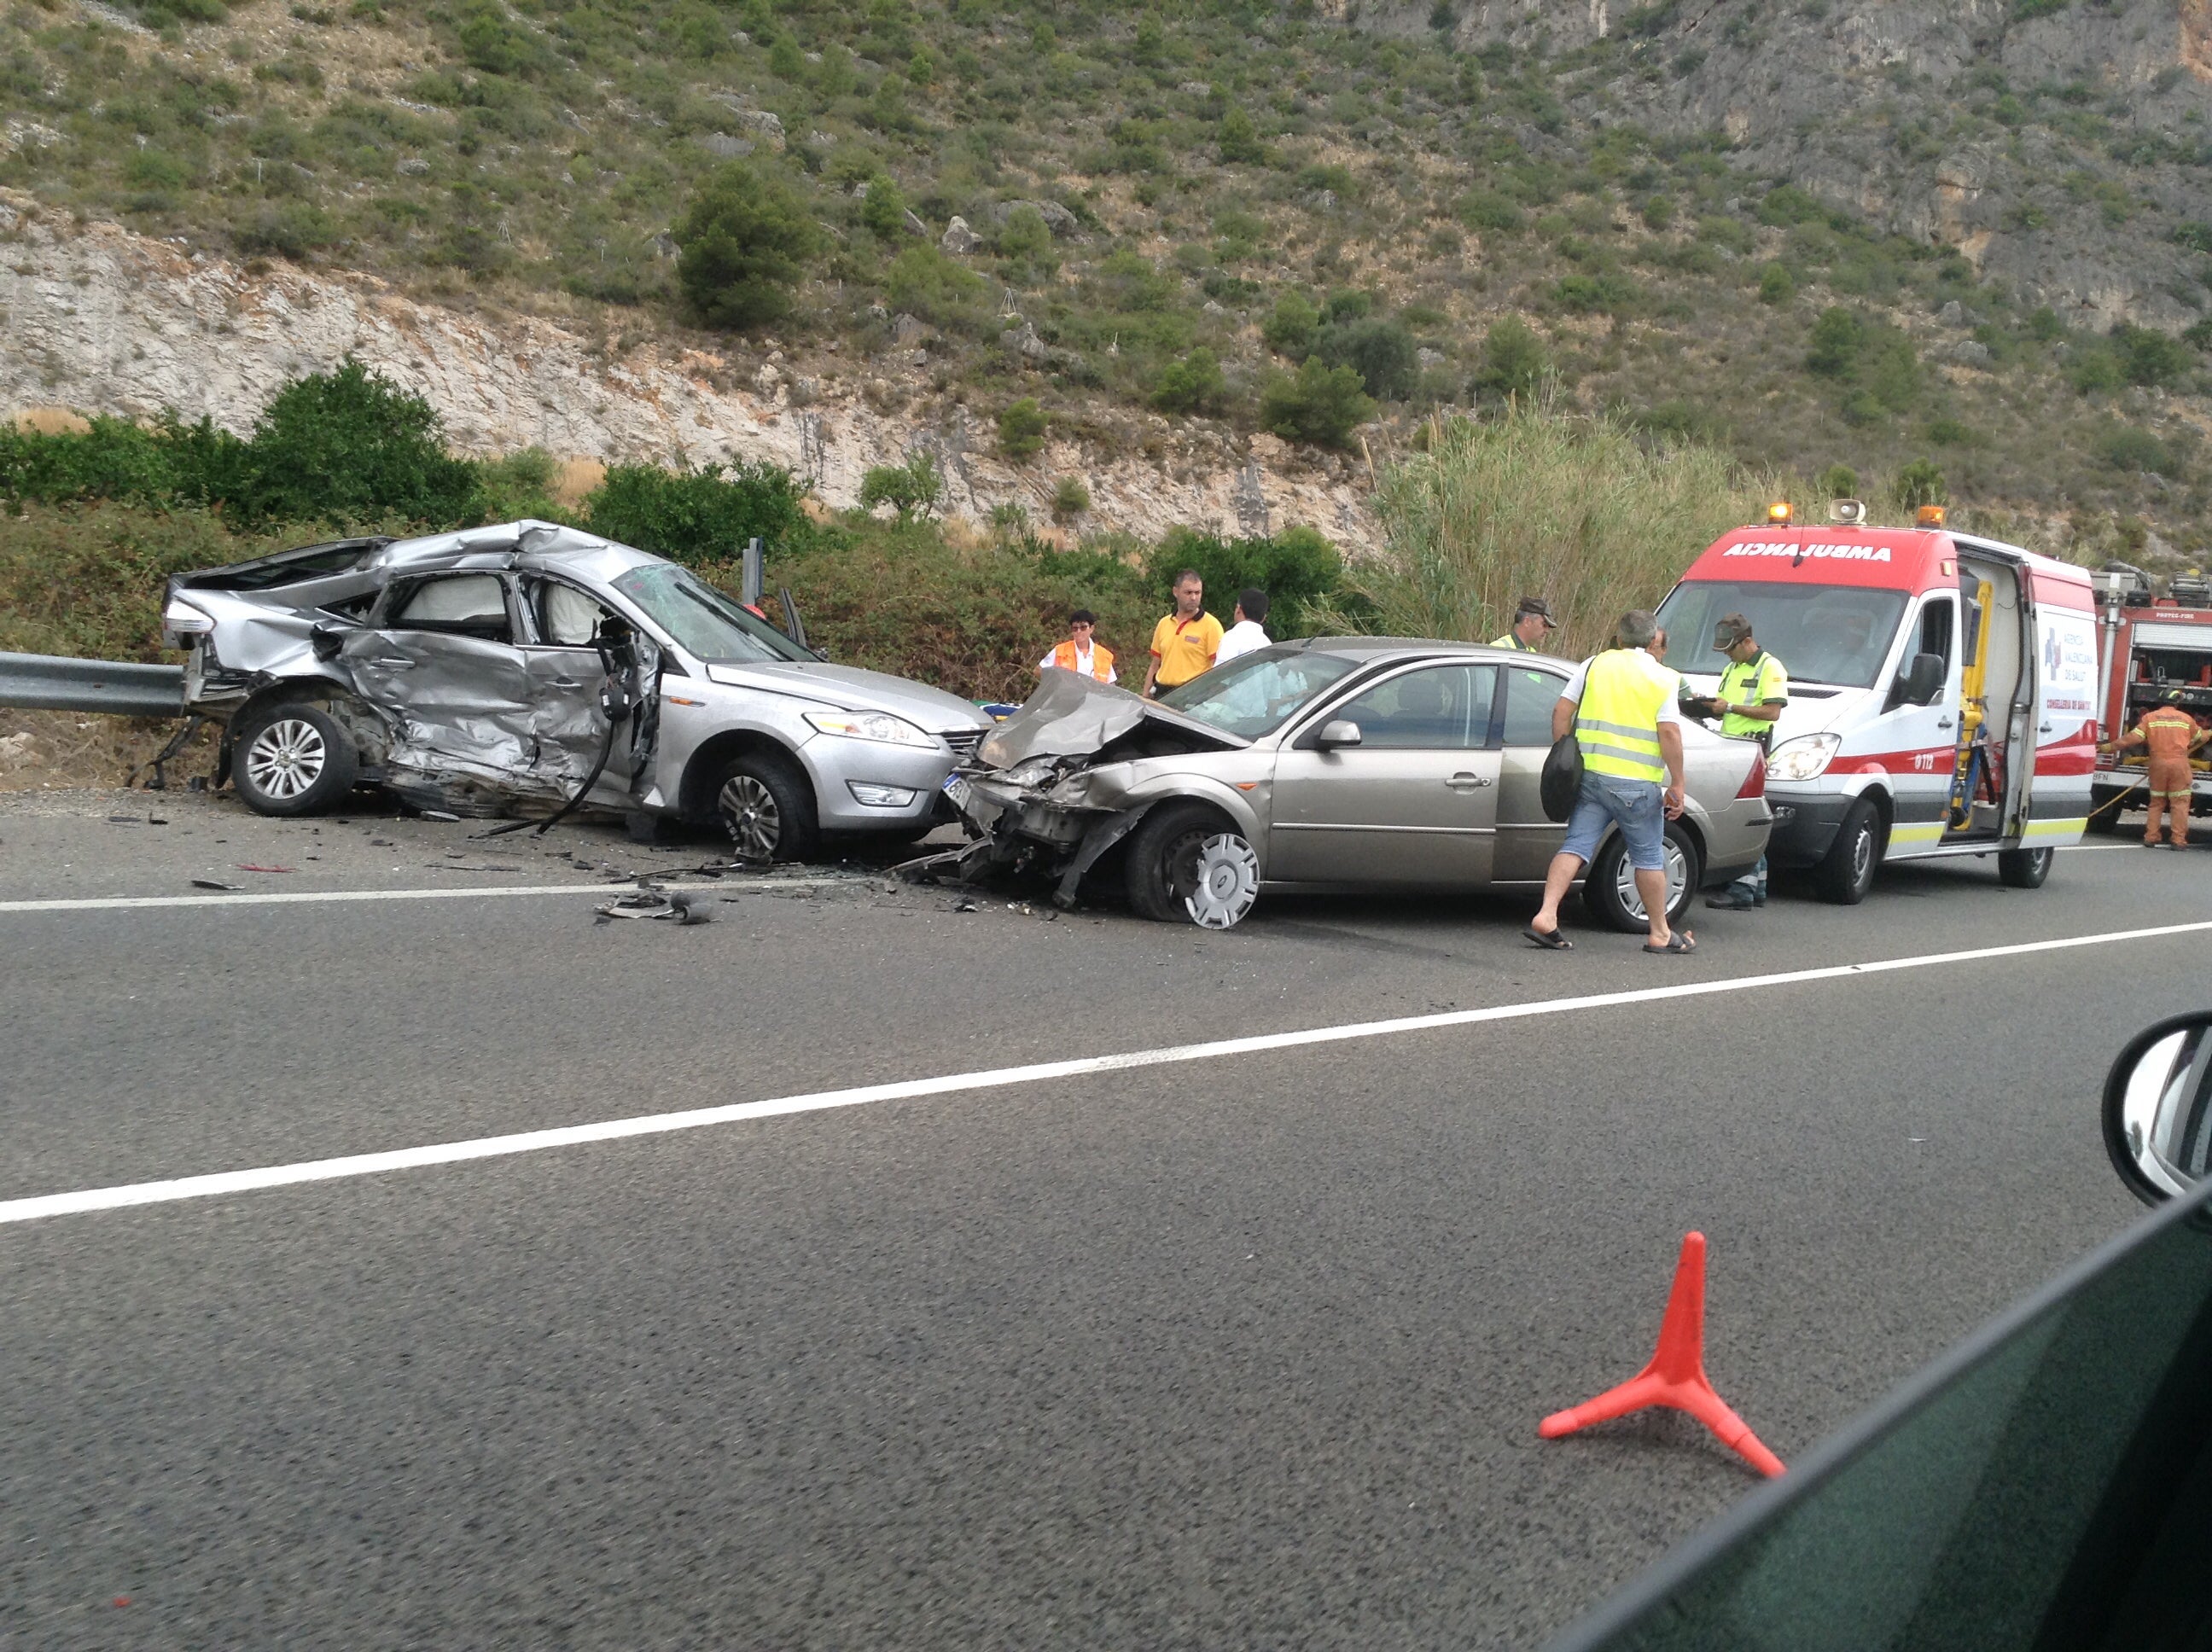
{"x": 1820, "y": 633}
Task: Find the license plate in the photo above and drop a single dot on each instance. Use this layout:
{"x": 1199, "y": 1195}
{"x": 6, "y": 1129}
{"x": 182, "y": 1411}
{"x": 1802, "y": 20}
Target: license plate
{"x": 957, "y": 789}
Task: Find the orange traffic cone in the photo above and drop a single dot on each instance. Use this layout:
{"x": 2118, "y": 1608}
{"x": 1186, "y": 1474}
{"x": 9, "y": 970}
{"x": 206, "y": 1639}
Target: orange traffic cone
{"x": 1676, "y": 1375}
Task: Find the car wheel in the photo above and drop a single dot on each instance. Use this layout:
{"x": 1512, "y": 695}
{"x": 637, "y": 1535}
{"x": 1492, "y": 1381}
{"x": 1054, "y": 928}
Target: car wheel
{"x": 2024, "y": 868}
{"x": 1609, "y": 891}
{"x": 1846, "y": 872}
{"x": 766, "y": 806}
{"x": 1186, "y": 865}
{"x": 292, "y": 759}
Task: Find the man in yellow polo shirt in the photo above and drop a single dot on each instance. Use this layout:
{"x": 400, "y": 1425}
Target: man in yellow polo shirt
{"x": 1185, "y": 642}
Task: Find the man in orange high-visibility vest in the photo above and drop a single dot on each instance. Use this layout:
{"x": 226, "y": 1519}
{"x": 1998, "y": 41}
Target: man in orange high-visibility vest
{"x": 1081, "y": 652}
{"x": 2172, "y": 736}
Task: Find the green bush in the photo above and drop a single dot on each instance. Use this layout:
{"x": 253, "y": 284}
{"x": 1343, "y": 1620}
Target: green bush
{"x": 2095, "y": 367}
{"x": 913, "y": 490}
{"x": 2150, "y": 357}
{"x": 1775, "y": 286}
{"x": 700, "y": 516}
{"x": 1071, "y": 497}
{"x": 1292, "y": 327}
{"x": 1022, "y": 429}
{"x": 1486, "y": 209}
{"x": 925, "y": 282}
{"x": 1192, "y": 385}
{"x": 743, "y": 245}
{"x": 882, "y": 210}
{"x": 1298, "y": 569}
{"x": 1319, "y": 404}
{"x": 1837, "y": 481}
{"x": 1919, "y": 483}
{"x": 341, "y": 447}
{"x": 1514, "y": 360}
{"x": 1837, "y": 337}
{"x": 1240, "y": 139}
{"x": 2130, "y": 447}
{"x": 1380, "y": 351}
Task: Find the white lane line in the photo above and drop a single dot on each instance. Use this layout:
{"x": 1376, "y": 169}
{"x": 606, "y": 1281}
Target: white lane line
{"x": 534, "y": 1141}
{"x": 296, "y": 897}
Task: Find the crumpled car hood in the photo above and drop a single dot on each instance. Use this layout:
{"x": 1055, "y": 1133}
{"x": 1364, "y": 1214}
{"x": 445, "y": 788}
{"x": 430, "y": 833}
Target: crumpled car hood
{"x": 1072, "y": 715}
{"x": 853, "y": 688}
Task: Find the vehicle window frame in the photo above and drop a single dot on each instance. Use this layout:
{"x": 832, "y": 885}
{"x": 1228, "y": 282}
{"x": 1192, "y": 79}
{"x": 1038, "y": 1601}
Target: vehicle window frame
{"x": 1561, "y": 678}
{"x": 528, "y": 599}
{"x": 397, "y": 594}
{"x": 1328, "y": 709}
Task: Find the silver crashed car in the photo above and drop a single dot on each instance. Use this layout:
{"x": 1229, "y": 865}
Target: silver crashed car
{"x": 1336, "y": 763}
{"x": 520, "y": 668}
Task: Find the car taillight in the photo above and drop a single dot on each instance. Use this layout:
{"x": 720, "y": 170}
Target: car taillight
{"x": 1754, "y": 783}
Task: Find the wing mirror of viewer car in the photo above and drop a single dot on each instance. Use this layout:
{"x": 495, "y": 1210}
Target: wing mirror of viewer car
{"x": 1921, "y": 683}
{"x": 1335, "y": 732}
{"x": 2158, "y": 1109}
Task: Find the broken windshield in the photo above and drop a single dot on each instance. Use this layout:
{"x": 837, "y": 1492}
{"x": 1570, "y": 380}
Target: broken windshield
{"x": 702, "y": 621}
{"x": 1251, "y": 695}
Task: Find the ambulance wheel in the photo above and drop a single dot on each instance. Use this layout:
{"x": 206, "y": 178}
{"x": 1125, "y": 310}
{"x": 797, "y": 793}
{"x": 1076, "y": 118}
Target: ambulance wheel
{"x": 2024, "y": 868}
{"x": 1186, "y": 865}
{"x": 1846, "y": 872}
{"x": 1609, "y": 891}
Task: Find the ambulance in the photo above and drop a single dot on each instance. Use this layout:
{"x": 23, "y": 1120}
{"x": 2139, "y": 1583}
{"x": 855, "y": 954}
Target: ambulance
{"x": 1942, "y": 691}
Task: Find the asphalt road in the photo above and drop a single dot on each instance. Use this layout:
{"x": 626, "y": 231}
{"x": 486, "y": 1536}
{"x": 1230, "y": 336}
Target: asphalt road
{"x": 1226, "y": 1351}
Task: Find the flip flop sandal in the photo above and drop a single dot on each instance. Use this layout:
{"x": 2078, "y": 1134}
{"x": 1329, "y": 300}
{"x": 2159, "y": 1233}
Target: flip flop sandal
{"x": 1554, "y": 942}
{"x": 1679, "y": 941}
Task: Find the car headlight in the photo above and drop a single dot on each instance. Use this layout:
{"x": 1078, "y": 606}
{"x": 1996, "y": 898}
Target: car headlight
{"x": 870, "y": 725}
{"x": 1803, "y": 758}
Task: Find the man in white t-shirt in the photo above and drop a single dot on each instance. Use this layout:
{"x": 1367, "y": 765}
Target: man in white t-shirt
{"x": 1247, "y": 634}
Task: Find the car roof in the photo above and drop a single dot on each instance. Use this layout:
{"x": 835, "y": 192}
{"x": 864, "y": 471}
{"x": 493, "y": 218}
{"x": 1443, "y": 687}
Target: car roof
{"x": 526, "y": 543}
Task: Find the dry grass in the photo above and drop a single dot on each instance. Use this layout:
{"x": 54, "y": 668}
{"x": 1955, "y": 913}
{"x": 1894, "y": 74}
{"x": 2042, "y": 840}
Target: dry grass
{"x": 63, "y": 750}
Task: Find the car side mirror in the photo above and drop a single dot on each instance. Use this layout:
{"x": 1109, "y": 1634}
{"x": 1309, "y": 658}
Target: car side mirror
{"x": 326, "y": 640}
{"x": 2158, "y": 1109}
{"x": 1336, "y": 733}
{"x": 1923, "y": 681}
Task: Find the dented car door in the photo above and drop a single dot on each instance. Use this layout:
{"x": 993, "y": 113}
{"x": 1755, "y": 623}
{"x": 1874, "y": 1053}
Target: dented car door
{"x": 1413, "y": 805}
{"x": 439, "y": 657}
{"x": 565, "y": 677}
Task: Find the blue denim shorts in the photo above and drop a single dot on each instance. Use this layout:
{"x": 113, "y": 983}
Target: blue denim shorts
{"x": 1635, "y": 805}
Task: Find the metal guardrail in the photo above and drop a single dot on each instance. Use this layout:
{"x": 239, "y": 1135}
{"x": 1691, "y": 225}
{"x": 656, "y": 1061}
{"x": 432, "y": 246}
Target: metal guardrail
{"x": 53, "y": 682}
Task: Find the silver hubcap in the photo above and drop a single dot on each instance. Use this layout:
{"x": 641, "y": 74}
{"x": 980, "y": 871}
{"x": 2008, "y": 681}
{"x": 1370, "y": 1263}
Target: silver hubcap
{"x": 1678, "y": 874}
{"x": 1228, "y": 879}
{"x": 1861, "y": 858}
{"x": 285, "y": 758}
{"x": 749, "y": 811}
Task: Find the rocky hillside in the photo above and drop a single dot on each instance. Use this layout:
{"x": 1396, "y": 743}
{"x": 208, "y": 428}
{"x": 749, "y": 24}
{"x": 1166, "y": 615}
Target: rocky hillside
{"x": 1972, "y": 237}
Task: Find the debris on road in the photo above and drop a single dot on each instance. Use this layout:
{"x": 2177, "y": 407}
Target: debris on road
{"x": 242, "y": 866}
{"x": 210, "y": 882}
{"x": 684, "y": 908}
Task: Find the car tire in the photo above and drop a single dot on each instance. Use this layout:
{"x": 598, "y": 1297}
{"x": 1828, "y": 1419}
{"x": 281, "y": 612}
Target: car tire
{"x": 1608, "y": 883}
{"x": 2025, "y": 868}
{"x": 292, "y": 759}
{"x": 1185, "y": 863}
{"x": 767, "y": 807}
{"x": 1846, "y": 873}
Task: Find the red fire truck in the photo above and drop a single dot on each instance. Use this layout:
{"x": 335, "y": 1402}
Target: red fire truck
{"x": 2147, "y": 644}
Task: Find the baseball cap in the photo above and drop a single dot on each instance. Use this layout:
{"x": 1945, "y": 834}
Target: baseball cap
{"x": 1728, "y": 630}
{"x": 1540, "y": 609}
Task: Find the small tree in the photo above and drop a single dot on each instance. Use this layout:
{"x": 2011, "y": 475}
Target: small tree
{"x": 1022, "y": 429}
{"x": 1514, "y": 360}
{"x": 884, "y": 210}
{"x": 1071, "y": 497}
{"x": 1239, "y": 138}
{"x": 912, "y": 490}
{"x": 1837, "y": 481}
{"x": 351, "y": 443}
{"x": 1319, "y": 404}
{"x": 1292, "y": 327}
{"x": 1775, "y": 286}
{"x": 1193, "y": 384}
{"x": 1918, "y": 483}
{"x": 1379, "y": 351}
{"x": 745, "y": 242}
{"x": 1837, "y": 339}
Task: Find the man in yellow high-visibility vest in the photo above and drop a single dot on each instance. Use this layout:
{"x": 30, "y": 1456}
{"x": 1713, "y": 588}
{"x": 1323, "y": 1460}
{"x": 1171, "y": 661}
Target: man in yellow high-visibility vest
{"x": 1621, "y": 707}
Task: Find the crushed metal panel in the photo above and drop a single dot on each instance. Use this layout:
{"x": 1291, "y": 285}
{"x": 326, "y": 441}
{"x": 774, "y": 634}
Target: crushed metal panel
{"x": 1072, "y": 715}
{"x": 463, "y": 711}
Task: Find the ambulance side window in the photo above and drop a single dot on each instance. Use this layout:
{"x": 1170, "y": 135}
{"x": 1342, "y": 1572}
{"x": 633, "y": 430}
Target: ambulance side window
{"x": 1935, "y": 628}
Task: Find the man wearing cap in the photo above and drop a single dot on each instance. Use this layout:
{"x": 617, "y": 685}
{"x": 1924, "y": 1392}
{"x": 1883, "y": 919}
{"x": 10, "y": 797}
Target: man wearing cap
{"x": 1753, "y": 691}
{"x": 1530, "y": 621}
{"x": 2170, "y": 735}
